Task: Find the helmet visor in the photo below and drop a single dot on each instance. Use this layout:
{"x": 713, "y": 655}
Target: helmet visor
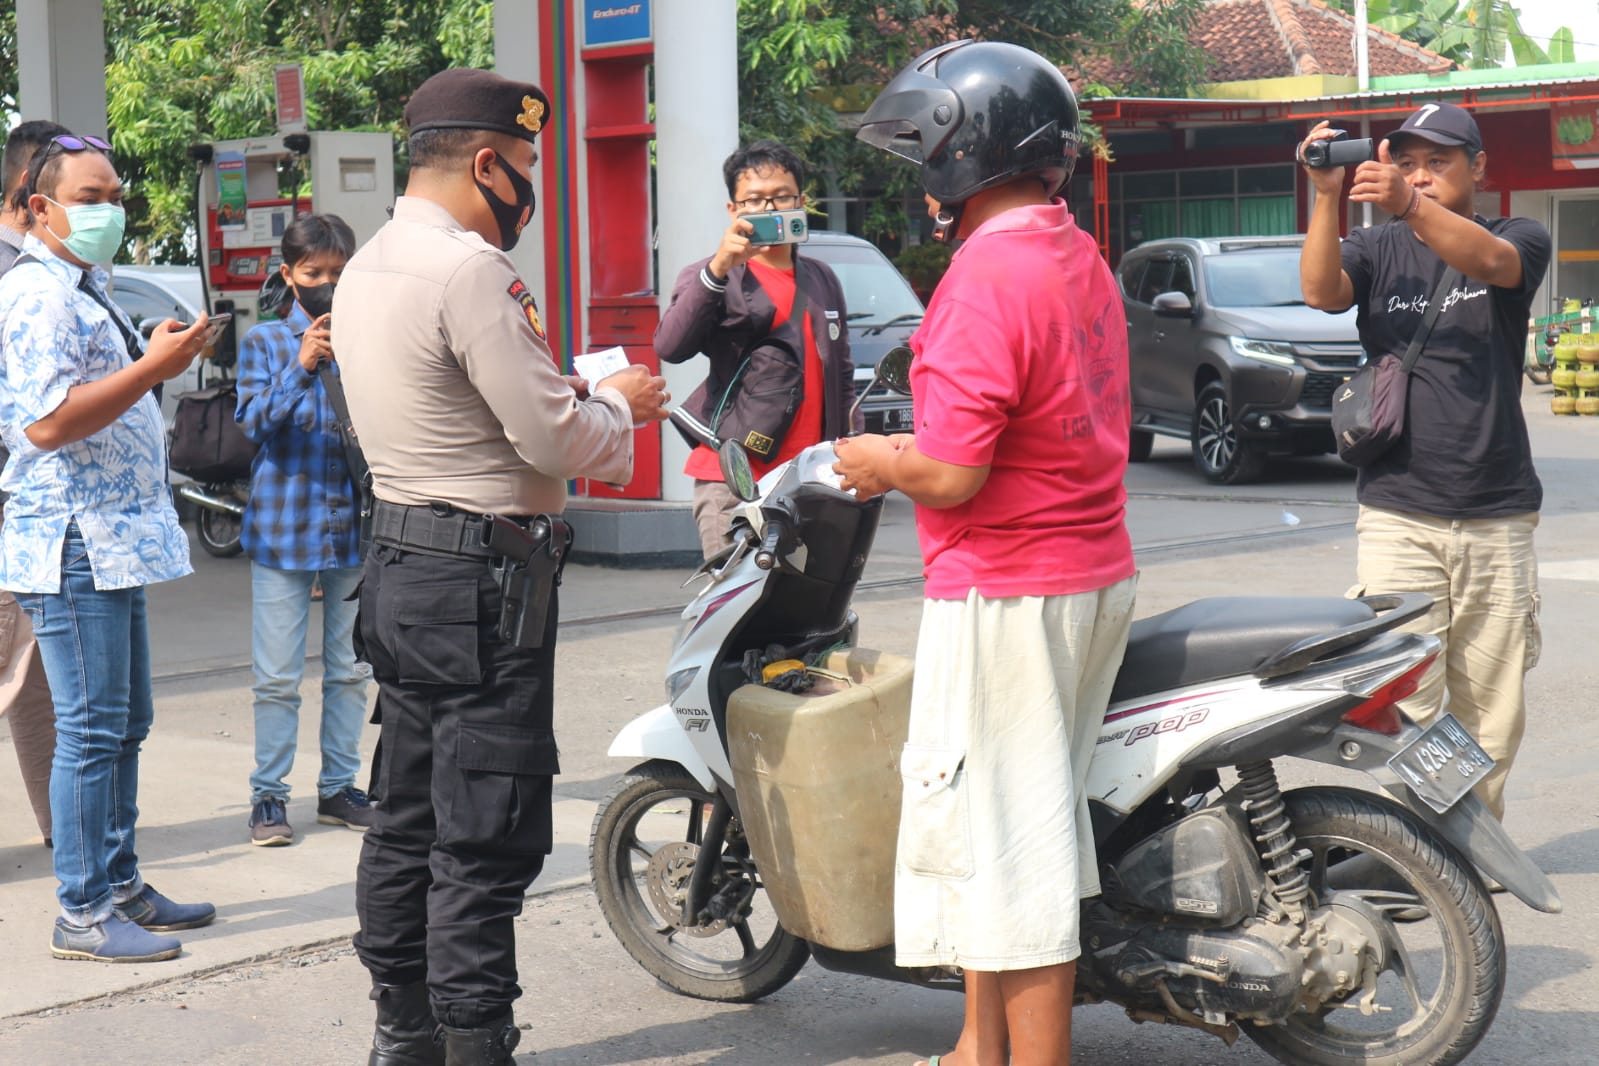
{"x": 899, "y": 137}
{"x": 915, "y": 113}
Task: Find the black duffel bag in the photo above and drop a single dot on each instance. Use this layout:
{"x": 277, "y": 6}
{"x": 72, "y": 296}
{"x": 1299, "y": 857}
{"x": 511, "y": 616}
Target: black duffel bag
{"x": 207, "y": 443}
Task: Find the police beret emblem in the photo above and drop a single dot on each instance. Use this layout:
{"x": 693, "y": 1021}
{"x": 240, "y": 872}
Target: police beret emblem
{"x": 532, "y": 116}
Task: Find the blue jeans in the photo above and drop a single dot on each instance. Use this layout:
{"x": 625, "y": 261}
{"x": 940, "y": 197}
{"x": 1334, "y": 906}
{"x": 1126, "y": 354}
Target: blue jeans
{"x": 280, "y": 611}
{"x": 96, "y": 650}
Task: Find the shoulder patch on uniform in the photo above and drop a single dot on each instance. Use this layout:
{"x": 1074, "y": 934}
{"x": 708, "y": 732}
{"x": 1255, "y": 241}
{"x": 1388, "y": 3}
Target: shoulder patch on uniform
{"x": 521, "y": 295}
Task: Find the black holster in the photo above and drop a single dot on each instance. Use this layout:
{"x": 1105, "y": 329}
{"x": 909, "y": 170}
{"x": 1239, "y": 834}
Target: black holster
{"x": 527, "y": 564}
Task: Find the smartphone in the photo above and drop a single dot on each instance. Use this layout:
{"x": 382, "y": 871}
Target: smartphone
{"x": 215, "y": 325}
{"x": 779, "y": 227}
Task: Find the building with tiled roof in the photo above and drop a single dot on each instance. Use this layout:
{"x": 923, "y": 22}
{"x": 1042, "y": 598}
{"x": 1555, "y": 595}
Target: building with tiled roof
{"x": 1252, "y": 40}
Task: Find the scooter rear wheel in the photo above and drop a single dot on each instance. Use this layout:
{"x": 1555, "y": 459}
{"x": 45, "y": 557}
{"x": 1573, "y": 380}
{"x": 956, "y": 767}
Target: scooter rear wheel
{"x": 1443, "y": 949}
{"x": 642, "y": 850}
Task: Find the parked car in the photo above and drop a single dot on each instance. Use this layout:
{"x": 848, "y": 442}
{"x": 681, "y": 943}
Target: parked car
{"x": 1225, "y": 353}
{"x": 883, "y": 312}
{"x": 151, "y": 294}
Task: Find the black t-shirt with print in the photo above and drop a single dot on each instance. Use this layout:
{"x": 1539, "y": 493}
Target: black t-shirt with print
{"x": 1464, "y": 453}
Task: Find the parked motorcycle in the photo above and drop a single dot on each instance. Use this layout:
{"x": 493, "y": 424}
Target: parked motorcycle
{"x": 1330, "y": 925}
{"x": 218, "y": 514}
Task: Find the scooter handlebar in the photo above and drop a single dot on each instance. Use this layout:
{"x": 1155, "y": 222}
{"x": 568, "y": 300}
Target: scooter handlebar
{"x": 766, "y": 555}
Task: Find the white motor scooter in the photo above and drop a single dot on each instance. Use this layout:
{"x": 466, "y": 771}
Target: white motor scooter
{"x": 1331, "y": 925}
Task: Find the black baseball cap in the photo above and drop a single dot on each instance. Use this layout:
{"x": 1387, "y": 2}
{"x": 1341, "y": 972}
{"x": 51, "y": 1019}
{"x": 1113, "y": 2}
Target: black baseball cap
{"x": 1441, "y": 123}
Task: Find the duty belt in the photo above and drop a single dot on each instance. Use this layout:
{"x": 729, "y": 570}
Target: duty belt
{"x": 433, "y": 529}
{"x": 525, "y": 556}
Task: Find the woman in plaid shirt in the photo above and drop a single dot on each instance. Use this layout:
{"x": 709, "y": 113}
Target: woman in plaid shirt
{"x": 301, "y": 525}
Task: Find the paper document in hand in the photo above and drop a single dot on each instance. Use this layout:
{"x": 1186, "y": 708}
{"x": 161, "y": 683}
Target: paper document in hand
{"x": 595, "y": 367}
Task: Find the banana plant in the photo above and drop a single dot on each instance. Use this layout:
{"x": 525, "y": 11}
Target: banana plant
{"x": 1473, "y": 33}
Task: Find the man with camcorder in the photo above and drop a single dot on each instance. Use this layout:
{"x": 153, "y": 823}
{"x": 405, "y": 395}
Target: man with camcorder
{"x": 1450, "y": 508}
{"x": 774, "y": 326}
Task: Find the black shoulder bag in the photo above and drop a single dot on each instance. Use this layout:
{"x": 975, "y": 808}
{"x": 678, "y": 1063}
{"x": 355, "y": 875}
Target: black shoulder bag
{"x": 360, "y": 473}
{"x": 1368, "y": 410}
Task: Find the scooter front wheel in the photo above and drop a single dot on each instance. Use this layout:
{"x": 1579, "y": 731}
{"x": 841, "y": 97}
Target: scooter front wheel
{"x": 642, "y": 852}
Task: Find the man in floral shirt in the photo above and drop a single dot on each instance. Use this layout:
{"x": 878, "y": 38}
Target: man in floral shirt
{"x": 90, "y": 523}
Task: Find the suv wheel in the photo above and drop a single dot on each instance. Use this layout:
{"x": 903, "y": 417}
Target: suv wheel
{"x": 1218, "y": 453}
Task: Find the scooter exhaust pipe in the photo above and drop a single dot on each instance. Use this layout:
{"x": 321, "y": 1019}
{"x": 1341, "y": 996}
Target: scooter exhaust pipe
{"x": 200, "y": 498}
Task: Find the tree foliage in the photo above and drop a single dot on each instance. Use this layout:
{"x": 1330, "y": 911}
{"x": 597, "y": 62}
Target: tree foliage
{"x": 182, "y": 72}
{"x": 1476, "y": 34}
{"x": 806, "y": 63}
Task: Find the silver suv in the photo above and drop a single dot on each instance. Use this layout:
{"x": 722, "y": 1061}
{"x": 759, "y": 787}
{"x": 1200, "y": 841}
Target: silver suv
{"x": 1224, "y": 352}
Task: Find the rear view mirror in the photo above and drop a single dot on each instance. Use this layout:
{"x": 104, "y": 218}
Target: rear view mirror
{"x": 736, "y": 470}
{"x": 1173, "y": 305}
{"x": 894, "y": 369}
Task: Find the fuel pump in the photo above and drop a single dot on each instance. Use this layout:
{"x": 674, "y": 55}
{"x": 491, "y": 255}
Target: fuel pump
{"x": 248, "y": 193}
{"x": 251, "y": 189}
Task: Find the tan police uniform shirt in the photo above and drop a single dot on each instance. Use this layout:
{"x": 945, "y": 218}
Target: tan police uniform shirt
{"x": 452, "y": 388}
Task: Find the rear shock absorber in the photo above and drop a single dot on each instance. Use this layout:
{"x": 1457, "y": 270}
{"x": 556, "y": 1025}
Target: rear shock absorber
{"x": 1274, "y": 836}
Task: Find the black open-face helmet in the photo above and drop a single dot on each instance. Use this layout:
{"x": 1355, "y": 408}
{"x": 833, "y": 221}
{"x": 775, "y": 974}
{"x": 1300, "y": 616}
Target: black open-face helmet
{"x": 976, "y": 114}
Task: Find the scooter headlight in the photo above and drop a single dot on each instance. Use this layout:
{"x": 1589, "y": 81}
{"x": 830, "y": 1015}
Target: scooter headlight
{"x": 677, "y": 683}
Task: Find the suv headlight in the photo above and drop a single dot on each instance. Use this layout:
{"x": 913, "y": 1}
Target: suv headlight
{"x": 1264, "y": 351}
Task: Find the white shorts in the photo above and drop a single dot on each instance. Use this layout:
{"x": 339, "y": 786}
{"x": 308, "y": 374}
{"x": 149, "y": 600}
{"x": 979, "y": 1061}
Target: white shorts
{"x": 995, "y": 845}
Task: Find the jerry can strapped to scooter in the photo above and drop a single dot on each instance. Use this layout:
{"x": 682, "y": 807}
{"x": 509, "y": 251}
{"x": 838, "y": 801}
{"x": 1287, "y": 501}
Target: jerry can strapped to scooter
{"x": 818, "y": 783}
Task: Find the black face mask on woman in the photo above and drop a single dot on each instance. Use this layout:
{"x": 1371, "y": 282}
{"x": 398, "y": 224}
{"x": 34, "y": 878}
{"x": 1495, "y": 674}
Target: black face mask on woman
{"x": 510, "y": 216}
{"x": 316, "y": 299}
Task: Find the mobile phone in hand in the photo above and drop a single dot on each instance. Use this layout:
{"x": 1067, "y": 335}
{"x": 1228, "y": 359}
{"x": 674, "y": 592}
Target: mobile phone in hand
{"x": 215, "y": 326}
{"x": 778, "y": 227}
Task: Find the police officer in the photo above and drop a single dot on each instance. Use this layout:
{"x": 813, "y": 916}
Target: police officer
{"x": 471, "y": 431}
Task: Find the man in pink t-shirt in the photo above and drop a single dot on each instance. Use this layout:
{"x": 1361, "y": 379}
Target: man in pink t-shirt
{"x": 1022, "y": 418}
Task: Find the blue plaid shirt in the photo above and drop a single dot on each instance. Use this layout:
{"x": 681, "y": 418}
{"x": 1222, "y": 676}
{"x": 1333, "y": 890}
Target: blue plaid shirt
{"x": 302, "y": 512}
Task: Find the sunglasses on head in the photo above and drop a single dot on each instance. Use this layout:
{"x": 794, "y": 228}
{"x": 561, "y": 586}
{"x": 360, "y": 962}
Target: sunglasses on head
{"x": 78, "y": 144}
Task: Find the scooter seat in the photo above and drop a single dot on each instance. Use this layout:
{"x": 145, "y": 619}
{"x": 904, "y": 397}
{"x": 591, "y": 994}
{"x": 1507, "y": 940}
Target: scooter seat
{"x": 1224, "y": 636}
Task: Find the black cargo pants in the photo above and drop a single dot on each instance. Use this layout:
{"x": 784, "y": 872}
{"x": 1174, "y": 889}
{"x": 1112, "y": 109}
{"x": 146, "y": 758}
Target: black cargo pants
{"x": 464, "y": 783}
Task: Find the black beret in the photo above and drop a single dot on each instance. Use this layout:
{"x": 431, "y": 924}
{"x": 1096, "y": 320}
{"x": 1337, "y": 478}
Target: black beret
{"x": 478, "y": 100}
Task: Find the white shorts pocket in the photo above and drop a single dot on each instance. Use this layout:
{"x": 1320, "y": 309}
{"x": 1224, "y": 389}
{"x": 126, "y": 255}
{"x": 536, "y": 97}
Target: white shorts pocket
{"x": 935, "y": 833}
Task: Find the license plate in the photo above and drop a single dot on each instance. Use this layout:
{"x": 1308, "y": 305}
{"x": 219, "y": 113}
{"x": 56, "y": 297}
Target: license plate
{"x": 897, "y": 418}
{"x": 1442, "y": 764}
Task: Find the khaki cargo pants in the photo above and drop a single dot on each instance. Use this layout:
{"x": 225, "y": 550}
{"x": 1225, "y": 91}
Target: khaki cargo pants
{"x": 1483, "y": 578}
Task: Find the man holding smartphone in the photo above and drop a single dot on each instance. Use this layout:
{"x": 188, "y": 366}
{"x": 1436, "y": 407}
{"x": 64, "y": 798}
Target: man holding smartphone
{"x": 91, "y": 523}
{"x": 773, "y": 325}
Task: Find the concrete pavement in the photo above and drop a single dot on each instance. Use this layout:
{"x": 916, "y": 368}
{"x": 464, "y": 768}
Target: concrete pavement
{"x": 273, "y": 979}
{"x": 193, "y": 841}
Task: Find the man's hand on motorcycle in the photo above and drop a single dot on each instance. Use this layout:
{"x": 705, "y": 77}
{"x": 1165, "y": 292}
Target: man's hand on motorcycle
{"x": 316, "y": 344}
{"x": 864, "y": 462}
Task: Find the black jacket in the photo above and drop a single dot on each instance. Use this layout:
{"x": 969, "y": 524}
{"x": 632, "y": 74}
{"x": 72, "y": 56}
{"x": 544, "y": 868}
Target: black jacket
{"x": 726, "y": 321}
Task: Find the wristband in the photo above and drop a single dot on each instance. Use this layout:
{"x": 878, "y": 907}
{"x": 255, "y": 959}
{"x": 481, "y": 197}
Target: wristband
{"x": 1415, "y": 205}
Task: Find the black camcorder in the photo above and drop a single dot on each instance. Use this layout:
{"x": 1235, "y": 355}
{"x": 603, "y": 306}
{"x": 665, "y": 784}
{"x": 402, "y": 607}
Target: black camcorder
{"x": 1338, "y": 151}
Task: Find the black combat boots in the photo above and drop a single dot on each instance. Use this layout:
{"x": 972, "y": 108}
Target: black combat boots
{"x": 489, "y": 1046}
{"x": 406, "y": 1034}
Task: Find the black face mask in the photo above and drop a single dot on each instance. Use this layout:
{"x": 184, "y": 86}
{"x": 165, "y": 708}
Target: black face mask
{"x": 316, "y": 299}
{"x": 510, "y": 216}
